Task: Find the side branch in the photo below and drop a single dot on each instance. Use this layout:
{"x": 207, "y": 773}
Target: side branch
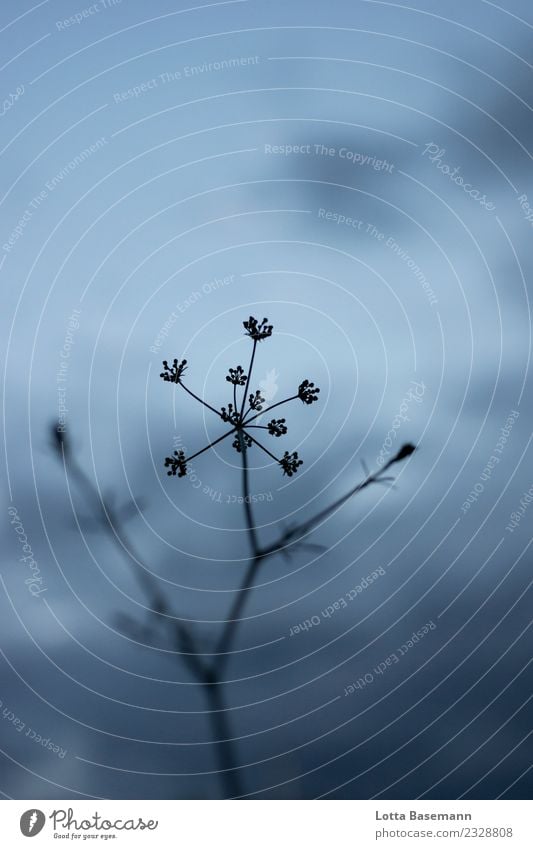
{"x": 200, "y": 400}
{"x": 211, "y": 444}
{"x": 272, "y": 407}
{"x": 292, "y": 535}
{"x": 248, "y": 378}
{"x": 263, "y": 448}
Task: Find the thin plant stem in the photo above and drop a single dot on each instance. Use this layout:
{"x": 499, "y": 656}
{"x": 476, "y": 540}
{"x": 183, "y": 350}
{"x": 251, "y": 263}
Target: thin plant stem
{"x": 259, "y": 554}
{"x": 232, "y": 622}
{"x": 247, "y": 500}
{"x": 223, "y": 743}
{"x": 278, "y": 404}
{"x": 248, "y": 377}
{"x": 215, "y": 442}
{"x": 305, "y": 527}
{"x": 209, "y": 407}
{"x": 263, "y": 447}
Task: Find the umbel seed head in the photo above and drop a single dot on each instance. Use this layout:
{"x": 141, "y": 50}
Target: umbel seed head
{"x": 177, "y": 464}
{"x": 173, "y": 374}
{"x": 290, "y": 463}
{"x": 277, "y": 427}
{"x": 256, "y": 401}
{"x": 236, "y": 376}
{"x": 245, "y": 410}
{"x": 308, "y": 392}
{"x": 257, "y": 331}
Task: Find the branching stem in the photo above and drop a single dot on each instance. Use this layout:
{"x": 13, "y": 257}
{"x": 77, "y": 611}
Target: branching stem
{"x": 209, "y": 407}
{"x": 268, "y": 409}
{"x": 248, "y": 378}
{"x": 263, "y": 448}
{"x": 215, "y": 442}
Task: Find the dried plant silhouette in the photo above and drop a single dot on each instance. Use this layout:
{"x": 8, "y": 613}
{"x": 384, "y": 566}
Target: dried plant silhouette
{"x": 243, "y": 411}
{"x": 242, "y": 414}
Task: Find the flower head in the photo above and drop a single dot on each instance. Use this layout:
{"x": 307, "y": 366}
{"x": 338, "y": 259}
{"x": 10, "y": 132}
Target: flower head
{"x": 173, "y": 375}
{"x": 236, "y": 376}
{"x": 290, "y": 462}
{"x": 243, "y": 413}
{"x": 257, "y": 331}
{"x": 230, "y": 414}
{"x": 277, "y": 427}
{"x": 308, "y": 392}
{"x": 256, "y": 401}
{"x": 177, "y": 464}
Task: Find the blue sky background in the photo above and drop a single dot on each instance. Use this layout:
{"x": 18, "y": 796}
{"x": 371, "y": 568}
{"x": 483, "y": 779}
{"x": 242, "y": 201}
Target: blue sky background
{"x": 178, "y": 195}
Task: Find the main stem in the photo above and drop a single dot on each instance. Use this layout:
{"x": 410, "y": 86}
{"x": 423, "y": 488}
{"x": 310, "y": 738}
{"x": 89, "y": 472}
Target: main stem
{"x": 229, "y": 773}
{"x": 250, "y": 524}
{"x": 232, "y": 622}
{"x": 223, "y": 742}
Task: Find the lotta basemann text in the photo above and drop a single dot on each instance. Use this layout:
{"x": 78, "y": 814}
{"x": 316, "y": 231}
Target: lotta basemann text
{"x": 426, "y": 815}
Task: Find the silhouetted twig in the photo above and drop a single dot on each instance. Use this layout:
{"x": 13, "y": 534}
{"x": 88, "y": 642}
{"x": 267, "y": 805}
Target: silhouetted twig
{"x": 241, "y": 417}
{"x": 239, "y": 413}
